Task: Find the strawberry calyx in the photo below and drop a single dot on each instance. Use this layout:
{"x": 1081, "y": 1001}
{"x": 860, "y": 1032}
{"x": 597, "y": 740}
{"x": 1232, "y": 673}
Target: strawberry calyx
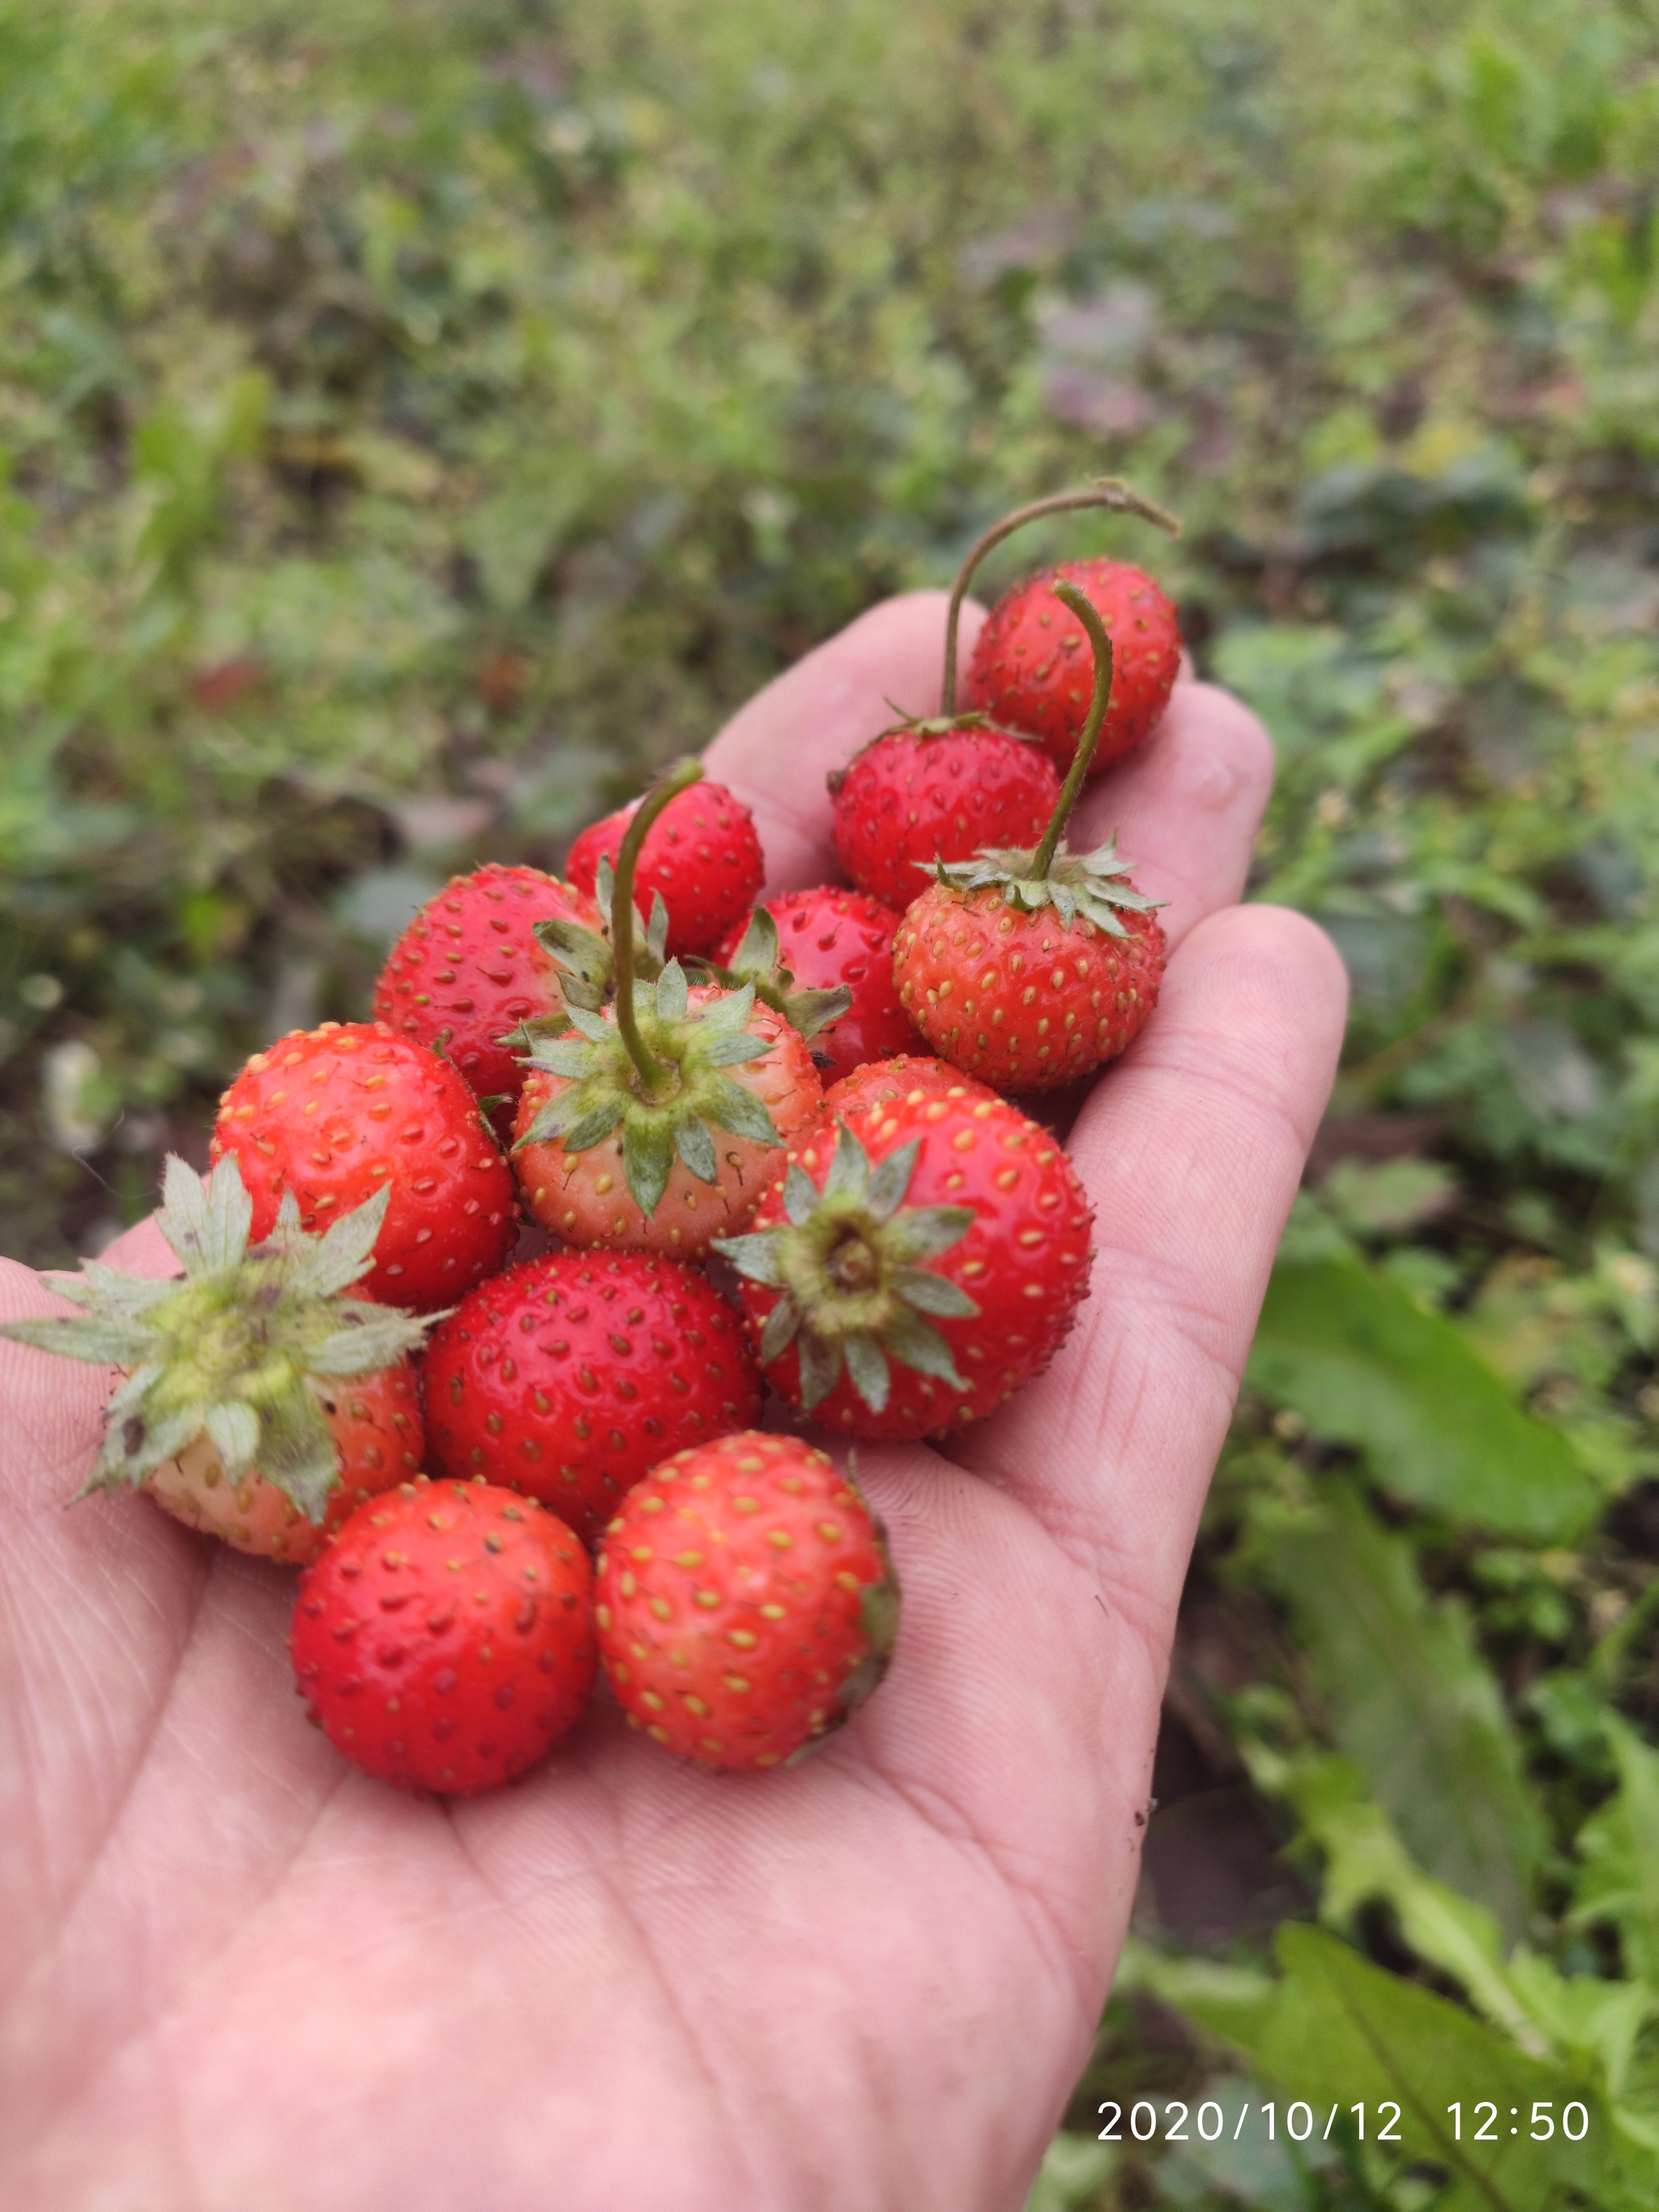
{"x": 1073, "y": 884}
{"x": 655, "y": 1066}
{"x": 585, "y": 958}
{"x": 854, "y": 1291}
{"x": 690, "y": 1047}
{"x": 756, "y": 964}
{"x": 232, "y": 1350}
{"x": 1086, "y": 884}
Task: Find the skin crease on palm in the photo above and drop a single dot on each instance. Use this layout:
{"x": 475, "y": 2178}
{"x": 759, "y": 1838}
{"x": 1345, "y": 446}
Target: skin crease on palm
{"x": 235, "y": 1974}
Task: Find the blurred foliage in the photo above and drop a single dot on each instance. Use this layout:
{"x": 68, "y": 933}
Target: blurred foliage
{"x": 415, "y": 422}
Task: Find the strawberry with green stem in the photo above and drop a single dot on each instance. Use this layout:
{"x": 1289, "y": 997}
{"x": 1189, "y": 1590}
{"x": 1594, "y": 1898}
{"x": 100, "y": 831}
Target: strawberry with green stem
{"x": 655, "y": 1123}
{"x": 259, "y": 1401}
{"x": 940, "y": 788}
{"x": 1028, "y": 967}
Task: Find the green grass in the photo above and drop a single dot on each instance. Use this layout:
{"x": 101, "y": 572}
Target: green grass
{"x": 416, "y": 421}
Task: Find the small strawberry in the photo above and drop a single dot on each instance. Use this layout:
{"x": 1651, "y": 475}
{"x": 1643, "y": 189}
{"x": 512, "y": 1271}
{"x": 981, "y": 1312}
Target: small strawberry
{"x": 703, "y": 855}
{"x": 932, "y": 790}
{"x": 443, "y": 1641}
{"x": 1030, "y": 967}
{"x": 334, "y": 1115}
{"x": 915, "y": 1268}
{"x": 631, "y": 1131}
{"x": 911, "y": 1076}
{"x": 824, "y": 959}
{"x": 469, "y": 969}
{"x": 260, "y": 1401}
{"x": 1030, "y": 668}
{"x": 570, "y": 1376}
{"x": 744, "y": 1602}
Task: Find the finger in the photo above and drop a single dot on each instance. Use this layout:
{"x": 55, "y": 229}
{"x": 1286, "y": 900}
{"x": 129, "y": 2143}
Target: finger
{"x": 1186, "y": 807}
{"x": 776, "y": 752}
{"x": 1191, "y": 1151}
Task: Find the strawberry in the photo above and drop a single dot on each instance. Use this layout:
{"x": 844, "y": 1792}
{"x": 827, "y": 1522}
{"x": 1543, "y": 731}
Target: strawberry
{"x": 1030, "y": 669}
{"x": 1030, "y": 967}
{"x": 261, "y": 1402}
{"x": 836, "y": 945}
{"x": 912, "y": 1076}
{"x": 443, "y": 1641}
{"x": 334, "y": 1115}
{"x": 932, "y": 791}
{"x": 915, "y": 1266}
{"x": 631, "y": 1131}
{"x": 703, "y": 855}
{"x": 569, "y": 1376}
{"x": 468, "y": 969}
{"x": 745, "y": 1601}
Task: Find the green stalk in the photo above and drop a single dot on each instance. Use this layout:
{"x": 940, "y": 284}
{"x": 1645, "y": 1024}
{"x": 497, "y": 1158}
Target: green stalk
{"x": 677, "y": 780}
{"x": 1083, "y": 607}
{"x": 1105, "y": 491}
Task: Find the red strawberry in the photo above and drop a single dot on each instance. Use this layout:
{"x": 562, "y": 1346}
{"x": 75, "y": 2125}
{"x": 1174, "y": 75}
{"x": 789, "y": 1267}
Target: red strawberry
{"x": 569, "y": 1376}
{"x": 912, "y": 1076}
{"x": 631, "y": 1130}
{"x": 916, "y": 1266}
{"x": 819, "y": 940}
{"x": 1031, "y": 665}
{"x": 745, "y": 1601}
{"x": 702, "y": 854}
{"x": 261, "y": 1400}
{"x": 932, "y": 790}
{"x": 469, "y": 966}
{"x": 443, "y": 1640}
{"x": 1019, "y": 999}
{"x": 643, "y": 1179}
{"x": 336, "y": 1113}
{"x": 1028, "y": 968}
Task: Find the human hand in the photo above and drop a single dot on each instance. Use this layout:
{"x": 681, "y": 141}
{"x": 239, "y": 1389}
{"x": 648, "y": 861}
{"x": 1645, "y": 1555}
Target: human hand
{"x": 234, "y": 1973}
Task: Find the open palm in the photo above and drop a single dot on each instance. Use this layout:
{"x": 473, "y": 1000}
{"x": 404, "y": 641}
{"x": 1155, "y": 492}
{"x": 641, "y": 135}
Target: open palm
{"x": 233, "y": 1973}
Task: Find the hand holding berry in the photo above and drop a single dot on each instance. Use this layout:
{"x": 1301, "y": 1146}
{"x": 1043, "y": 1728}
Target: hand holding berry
{"x": 224, "y": 1942}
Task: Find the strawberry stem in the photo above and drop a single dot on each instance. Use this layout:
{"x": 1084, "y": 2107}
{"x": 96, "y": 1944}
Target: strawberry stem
{"x": 651, "y": 1070}
{"x": 1105, "y": 491}
{"x": 1083, "y": 607}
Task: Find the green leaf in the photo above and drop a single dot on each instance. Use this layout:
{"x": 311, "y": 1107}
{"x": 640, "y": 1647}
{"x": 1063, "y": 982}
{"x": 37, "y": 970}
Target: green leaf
{"x": 1410, "y": 1700}
{"x": 800, "y": 1195}
{"x": 743, "y": 1115}
{"x": 587, "y": 1129}
{"x": 1338, "y": 2032}
{"x": 927, "y": 1231}
{"x": 820, "y": 1369}
{"x": 346, "y": 1252}
{"x": 891, "y": 1179}
{"x": 234, "y": 1429}
{"x": 1618, "y": 1851}
{"x": 696, "y": 1148}
{"x": 757, "y": 1256}
{"x": 647, "y": 1158}
{"x": 849, "y": 1167}
{"x": 1363, "y": 1364}
{"x": 672, "y": 993}
{"x": 779, "y": 1333}
{"x": 868, "y": 1370}
{"x": 916, "y": 1344}
{"x": 933, "y": 1294}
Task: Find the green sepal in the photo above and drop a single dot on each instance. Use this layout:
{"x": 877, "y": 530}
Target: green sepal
{"x": 648, "y": 1160}
{"x": 755, "y": 963}
{"x": 1089, "y": 885}
{"x": 853, "y": 1296}
{"x": 231, "y": 1352}
{"x": 743, "y": 1114}
{"x": 696, "y": 1148}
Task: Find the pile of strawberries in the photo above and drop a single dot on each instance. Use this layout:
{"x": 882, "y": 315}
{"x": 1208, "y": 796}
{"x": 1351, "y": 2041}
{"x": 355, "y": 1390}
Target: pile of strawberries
{"x": 768, "y": 1149}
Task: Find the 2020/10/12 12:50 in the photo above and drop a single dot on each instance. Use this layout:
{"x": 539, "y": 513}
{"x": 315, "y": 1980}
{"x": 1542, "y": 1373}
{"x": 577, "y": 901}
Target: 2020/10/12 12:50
{"x": 1301, "y": 2122}
{"x": 1540, "y": 2128}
